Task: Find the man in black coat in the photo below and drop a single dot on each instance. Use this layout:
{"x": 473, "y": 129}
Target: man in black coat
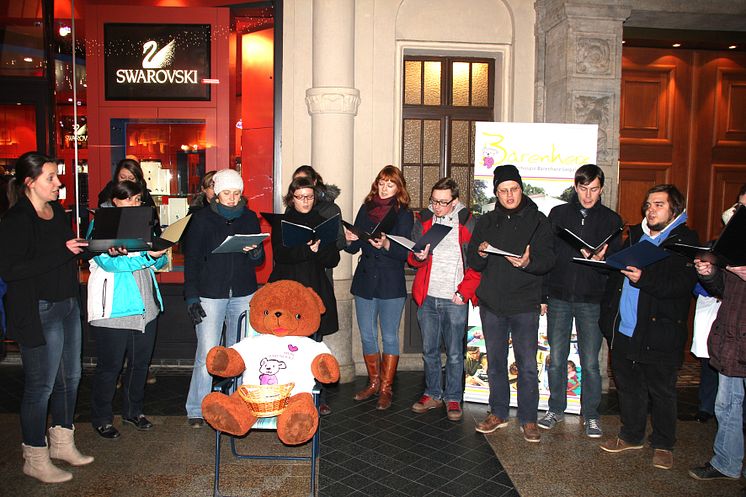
{"x": 644, "y": 317}
{"x": 510, "y": 296}
{"x": 574, "y": 293}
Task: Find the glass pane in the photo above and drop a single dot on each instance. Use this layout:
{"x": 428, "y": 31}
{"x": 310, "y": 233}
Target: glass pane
{"x": 414, "y": 186}
{"x": 479, "y": 84}
{"x": 430, "y": 175}
{"x": 412, "y": 141}
{"x": 472, "y": 134}
{"x": 460, "y": 142}
{"x": 22, "y": 50}
{"x": 17, "y": 130}
{"x": 461, "y": 175}
{"x": 432, "y": 83}
{"x": 412, "y": 80}
{"x": 460, "y": 83}
{"x": 431, "y": 143}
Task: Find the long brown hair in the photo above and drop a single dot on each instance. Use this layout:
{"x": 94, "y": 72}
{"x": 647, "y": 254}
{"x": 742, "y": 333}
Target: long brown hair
{"x": 393, "y": 174}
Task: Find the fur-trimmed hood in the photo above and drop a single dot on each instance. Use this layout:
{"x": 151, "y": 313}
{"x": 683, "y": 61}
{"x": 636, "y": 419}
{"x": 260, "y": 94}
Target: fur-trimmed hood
{"x": 328, "y": 193}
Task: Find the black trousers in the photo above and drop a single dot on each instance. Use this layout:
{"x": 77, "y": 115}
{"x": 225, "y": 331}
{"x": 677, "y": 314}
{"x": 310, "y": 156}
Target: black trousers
{"x": 641, "y": 386}
{"x": 112, "y": 346}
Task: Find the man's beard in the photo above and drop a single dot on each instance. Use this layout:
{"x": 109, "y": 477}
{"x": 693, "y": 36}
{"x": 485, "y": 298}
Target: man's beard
{"x": 658, "y": 227}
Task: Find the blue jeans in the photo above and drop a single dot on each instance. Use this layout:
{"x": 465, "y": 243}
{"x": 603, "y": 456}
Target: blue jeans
{"x": 728, "y": 458}
{"x": 441, "y": 318}
{"x": 209, "y": 331}
{"x": 51, "y": 371}
{"x": 369, "y": 313}
{"x": 523, "y": 329}
{"x": 112, "y": 346}
{"x": 559, "y": 328}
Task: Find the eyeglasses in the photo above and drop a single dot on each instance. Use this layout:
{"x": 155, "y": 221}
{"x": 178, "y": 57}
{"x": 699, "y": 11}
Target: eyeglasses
{"x": 304, "y": 198}
{"x": 441, "y": 203}
{"x": 505, "y": 191}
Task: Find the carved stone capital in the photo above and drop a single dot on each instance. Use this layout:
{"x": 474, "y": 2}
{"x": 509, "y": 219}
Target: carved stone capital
{"x": 332, "y": 100}
{"x": 593, "y": 56}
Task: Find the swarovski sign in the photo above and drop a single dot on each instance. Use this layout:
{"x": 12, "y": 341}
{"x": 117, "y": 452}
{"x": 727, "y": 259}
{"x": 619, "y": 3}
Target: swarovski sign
{"x": 157, "y": 61}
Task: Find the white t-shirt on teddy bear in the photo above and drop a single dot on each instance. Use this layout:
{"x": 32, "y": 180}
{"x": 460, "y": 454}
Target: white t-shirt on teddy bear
{"x": 272, "y": 360}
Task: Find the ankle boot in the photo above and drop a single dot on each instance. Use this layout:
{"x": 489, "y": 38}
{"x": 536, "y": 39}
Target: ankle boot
{"x": 62, "y": 446}
{"x": 388, "y": 371}
{"x": 373, "y": 365}
{"x": 39, "y": 466}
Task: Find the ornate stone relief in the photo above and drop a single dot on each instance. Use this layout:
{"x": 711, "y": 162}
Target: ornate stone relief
{"x": 593, "y": 57}
{"x": 591, "y": 109}
{"x": 329, "y": 100}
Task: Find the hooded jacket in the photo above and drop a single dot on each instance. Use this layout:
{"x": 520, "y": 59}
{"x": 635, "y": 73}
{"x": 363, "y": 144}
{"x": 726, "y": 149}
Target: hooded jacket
{"x": 468, "y": 285}
{"x": 327, "y": 208}
{"x": 727, "y": 340}
{"x": 504, "y": 289}
{"x": 573, "y": 282}
{"x": 665, "y": 293}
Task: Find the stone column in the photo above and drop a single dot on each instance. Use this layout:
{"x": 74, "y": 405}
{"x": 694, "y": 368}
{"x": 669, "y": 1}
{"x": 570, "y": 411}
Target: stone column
{"x": 332, "y": 103}
{"x": 578, "y": 79}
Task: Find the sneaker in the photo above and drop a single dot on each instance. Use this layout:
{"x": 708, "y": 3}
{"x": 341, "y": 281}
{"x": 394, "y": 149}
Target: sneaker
{"x": 707, "y": 472}
{"x": 593, "y": 429}
{"x": 663, "y": 459}
{"x": 453, "y": 411}
{"x": 531, "y": 432}
{"x": 425, "y": 404}
{"x": 196, "y": 422}
{"x": 615, "y": 445}
{"x": 549, "y": 420}
{"x": 491, "y": 423}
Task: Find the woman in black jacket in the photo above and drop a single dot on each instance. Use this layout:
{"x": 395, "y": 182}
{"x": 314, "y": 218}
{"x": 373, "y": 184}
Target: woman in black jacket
{"x": 378, "y": 284}
{"x": 127, "y": 170}
{"x": 306, "y": 264}
{"x": 43, "y": 303}
{"x": 217, "y": 287}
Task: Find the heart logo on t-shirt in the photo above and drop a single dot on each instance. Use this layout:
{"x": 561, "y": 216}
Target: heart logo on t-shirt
{"x": 292, "y": 348}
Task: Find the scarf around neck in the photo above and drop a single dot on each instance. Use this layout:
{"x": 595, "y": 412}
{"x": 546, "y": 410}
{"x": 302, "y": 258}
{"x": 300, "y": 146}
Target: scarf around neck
{"x": 229, "y": 213}
{"x": 379, "y": 207}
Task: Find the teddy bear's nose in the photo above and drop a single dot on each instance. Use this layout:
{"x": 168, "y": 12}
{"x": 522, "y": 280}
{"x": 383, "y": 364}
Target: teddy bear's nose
{"x": 278, "y": 314}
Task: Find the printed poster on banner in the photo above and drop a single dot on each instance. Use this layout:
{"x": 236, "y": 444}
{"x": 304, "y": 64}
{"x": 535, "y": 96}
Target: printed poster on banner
{"x": 547, "y": 156}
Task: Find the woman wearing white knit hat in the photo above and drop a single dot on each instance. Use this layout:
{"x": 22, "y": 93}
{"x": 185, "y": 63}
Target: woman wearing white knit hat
{"x": 217, "y": 287}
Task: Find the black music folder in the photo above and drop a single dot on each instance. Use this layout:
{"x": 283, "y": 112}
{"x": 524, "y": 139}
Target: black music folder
{"x": 728, "y": 250}
{"x": 384, "y": 226}
{"x": 639, "y": 255}
{"x": 128, "y": 227}
{"x": 578, "y": 243}
{"x": 294, "y": 235}
{"x": 236, "y": 243}
{"x": 434, "y": 235}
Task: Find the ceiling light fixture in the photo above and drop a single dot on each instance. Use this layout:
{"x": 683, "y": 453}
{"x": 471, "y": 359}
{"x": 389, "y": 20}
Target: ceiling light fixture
{"x": 732, "y": 47}
{"x": 28, "y": 59}
{"x": 65, "y": 30}
{"x": 676, "y": 45}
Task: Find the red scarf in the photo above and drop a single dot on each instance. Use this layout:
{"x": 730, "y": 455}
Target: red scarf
{"x": 379, "y": 207}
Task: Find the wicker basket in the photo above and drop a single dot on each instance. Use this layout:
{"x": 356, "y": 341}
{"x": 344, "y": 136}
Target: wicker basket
{"x": 266, "y": 401}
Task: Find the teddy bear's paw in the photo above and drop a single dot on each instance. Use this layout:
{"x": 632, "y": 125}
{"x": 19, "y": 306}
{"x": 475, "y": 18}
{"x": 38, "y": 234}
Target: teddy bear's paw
{"x": 227, "y": 414}
{"x": 297, "y": 423}
{"x": 325, "y": 368}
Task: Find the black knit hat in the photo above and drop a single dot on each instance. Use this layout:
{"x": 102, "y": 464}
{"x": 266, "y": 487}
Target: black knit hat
{"x": 507, "y": 172}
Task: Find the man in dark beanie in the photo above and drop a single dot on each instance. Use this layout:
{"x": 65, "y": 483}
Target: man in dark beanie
{"x": 510, "y": 296}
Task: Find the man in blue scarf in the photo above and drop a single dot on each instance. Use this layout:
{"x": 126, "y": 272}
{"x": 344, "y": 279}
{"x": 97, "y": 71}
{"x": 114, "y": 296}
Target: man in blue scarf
{"x": 644, "y": 318}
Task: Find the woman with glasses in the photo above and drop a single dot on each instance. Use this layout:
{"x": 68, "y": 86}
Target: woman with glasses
{"x": 306, "y": 264}
{"x": 378, "y": 284}
{"x": 39, "y": 262}
{"x": 217, "y": 287}
{"x": 123, "y": 304}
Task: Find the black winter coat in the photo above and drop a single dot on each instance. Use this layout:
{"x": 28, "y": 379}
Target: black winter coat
{"x": 303, "y": 265}
{"x": 504, "y": 289}
{"x": 217, "y": 276}
{"x": 662, "y": 306}
{"x": 727, "y": 340}
{"x": 573, "y": 282}
{"x": 380, "y": 273}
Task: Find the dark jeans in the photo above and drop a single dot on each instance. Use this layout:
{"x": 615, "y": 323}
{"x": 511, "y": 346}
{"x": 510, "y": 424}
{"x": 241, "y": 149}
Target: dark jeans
{"x": 523, "y": 330}
{"x": 51, "y": 371}
{"x": 641, "y": 384}
{"x": 560, "y": 315}
{"x": 708, "y": 387}
{"x": 112, "y": 346}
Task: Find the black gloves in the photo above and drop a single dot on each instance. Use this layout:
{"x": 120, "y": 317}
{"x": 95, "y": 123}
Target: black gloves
{"x": 196, "y": 313}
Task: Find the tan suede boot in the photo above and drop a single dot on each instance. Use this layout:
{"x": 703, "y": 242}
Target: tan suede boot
{"x": 388, "y": 371}
{"x": 373, "y": 365}
{"x": 62, "y": 446}
{"x": 39, "y": 466}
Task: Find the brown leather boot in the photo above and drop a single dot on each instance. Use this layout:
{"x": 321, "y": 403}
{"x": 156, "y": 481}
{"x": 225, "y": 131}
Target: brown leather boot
{"x": 373, "y": 364}
{"x": 388, "y": 371}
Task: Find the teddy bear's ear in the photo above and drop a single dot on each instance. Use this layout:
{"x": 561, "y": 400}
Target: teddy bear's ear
{"x": 316, "y": 299}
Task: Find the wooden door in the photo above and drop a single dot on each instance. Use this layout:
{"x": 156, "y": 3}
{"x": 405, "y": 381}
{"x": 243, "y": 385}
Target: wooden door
{"x": 683, "y": 121}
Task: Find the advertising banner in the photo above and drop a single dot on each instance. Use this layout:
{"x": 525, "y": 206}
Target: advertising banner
{"x": 547, "y": 156}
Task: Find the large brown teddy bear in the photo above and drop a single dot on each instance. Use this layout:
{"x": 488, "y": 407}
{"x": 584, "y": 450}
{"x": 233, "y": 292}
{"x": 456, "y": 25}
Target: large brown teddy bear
{"x": 285, "y": 313}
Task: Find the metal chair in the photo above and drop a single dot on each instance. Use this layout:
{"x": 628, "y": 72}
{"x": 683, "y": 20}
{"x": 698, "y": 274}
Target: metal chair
{"x": 228, "y": 386}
